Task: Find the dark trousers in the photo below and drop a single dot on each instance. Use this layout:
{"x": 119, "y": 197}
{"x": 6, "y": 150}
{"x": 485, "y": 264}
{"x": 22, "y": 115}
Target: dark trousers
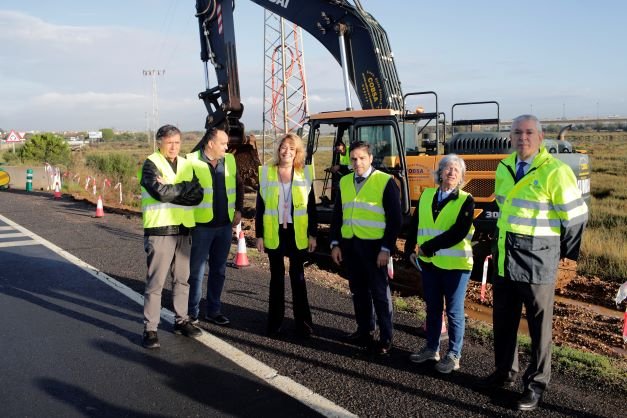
{"x": 276, "y": 310}
{"x": 369, "y": 287}
{"x": 509, "y": 298}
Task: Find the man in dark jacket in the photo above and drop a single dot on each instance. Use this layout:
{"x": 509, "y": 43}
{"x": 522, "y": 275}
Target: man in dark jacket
{"x": 542, "y": 218}
{"x": 169, "y": 192}
{"x": 366, "y": 221}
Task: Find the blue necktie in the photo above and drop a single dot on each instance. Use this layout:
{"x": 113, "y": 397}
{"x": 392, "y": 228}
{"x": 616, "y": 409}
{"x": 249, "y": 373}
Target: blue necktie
{"x": 521, "y": 170}
{"x": 359, "y": 179}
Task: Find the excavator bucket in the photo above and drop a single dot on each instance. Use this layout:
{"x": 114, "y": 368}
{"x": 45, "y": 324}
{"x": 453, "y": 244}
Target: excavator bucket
{"x": 244, "y": 148}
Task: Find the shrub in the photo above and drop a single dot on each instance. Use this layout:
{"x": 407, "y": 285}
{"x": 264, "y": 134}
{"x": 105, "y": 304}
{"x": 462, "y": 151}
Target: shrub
{"x": 46, "y": 148}
{"x": 114, "y": 165}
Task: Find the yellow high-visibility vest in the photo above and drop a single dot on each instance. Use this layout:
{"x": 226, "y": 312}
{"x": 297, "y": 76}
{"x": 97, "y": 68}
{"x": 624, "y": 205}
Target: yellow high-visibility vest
{"x": 156, "y": 213}
{"x": 204, "y": 211}
{"x": 363, "y": 213}
{"x": 540, "y": 204}
{"x": 269, "y": 190}
{"x": 457, "y": 257}
{"x": 346, "y": 158}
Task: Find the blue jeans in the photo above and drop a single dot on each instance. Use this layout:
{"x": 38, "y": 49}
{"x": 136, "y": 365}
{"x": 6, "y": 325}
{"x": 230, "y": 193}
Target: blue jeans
{"x": 213, "y": 245}
{"x": 439, "y": 286}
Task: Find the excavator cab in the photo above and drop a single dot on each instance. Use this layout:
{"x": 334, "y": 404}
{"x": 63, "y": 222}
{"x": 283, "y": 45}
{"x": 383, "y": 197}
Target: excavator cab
{"x": 378, "y": 127}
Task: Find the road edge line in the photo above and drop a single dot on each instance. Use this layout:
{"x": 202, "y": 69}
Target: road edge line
{"x": 271, "y": 376}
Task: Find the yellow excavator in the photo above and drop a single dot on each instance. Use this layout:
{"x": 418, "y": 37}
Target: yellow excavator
{"x": 406, "y": 143}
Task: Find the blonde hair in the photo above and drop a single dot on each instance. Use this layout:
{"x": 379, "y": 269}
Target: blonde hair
{"x": 299, "y": 149}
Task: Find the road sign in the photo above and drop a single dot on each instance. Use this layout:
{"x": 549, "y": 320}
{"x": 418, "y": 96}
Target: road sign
{"x": 13, "y": 137}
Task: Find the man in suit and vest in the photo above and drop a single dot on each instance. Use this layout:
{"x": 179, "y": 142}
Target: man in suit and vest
{"x": 366, "y": 221}
{"x": 542, "y": 218}
{"x": 220, "y": 209}
{"x": 169, "y": 190}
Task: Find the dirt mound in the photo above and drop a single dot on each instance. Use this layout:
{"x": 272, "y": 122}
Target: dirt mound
{"x": 248, "y": 162}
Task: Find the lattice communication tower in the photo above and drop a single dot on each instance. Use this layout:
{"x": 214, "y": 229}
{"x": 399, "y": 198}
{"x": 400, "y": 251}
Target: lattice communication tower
{"x": 285, "y": 106}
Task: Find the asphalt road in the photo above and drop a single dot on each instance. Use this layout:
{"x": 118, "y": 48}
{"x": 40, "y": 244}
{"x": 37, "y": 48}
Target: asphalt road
{"x": 362, "y": 384}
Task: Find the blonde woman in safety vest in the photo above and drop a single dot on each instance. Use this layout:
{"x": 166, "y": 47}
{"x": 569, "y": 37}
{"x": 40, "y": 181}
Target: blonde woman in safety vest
{"x": 442, "y": 226}
{"x": 220, "y": 209}
{"x": 542, "y": 218}
{"x": 169, "y": 193}
{"x": 286, "y": 226}
{"x": 366, "y": 221}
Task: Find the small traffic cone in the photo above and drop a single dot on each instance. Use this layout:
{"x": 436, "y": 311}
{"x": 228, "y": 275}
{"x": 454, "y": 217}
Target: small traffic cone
{"x": 241, "y": 259}
{"x": 443, "y": 330}
{"x": 57, "y": 191}
{"x": 99, "y": 208}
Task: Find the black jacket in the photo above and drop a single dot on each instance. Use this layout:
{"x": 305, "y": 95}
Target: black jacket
{"x": 186, "y": 193}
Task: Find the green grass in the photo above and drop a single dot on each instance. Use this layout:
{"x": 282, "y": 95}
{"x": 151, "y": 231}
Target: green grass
{"x": 598, "y": 368}
{"x": 604, "y": 247}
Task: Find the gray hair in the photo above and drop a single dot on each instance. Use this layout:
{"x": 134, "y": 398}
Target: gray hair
{"x": 449, "y": 159}
{"x": 523, "y": 118}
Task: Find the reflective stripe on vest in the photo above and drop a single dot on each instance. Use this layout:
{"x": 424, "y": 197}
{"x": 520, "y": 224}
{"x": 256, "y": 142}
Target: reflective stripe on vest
{"x": 457, "y": 257}
{"x": 363, "y": 212}
{"x": 543, "y": 202}
{"x": 204, "y": 211}
{"x": 158, "y": 214}
{"x": 269, "y": 191}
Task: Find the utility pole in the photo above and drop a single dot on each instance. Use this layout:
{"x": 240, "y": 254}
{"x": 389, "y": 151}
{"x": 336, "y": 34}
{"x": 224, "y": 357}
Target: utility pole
{"x": 155, "y": 105}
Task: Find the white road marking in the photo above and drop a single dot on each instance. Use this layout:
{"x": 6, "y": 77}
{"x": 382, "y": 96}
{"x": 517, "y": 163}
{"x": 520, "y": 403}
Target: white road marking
{"x": 12, "y": 235}
{"x": 18, "y": 243}
{"x": 6, "y": 228}
{"x": 271, "y": 376}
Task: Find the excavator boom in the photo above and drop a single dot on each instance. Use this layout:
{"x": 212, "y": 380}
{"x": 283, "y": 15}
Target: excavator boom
{"x": 336, "y": 24}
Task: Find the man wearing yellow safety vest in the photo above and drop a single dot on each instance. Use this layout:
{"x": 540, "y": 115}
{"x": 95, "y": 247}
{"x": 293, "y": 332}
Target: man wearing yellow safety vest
{"x": 366, "y": 221}
{"x": 344, "y": 160}
{"x": 169, "y": 192}
{"x": 220, "y": 209}
{"x": 542, "y": 218}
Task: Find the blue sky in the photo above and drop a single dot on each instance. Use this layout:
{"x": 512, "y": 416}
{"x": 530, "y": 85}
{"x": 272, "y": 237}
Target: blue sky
{"x": 76, "y": 65}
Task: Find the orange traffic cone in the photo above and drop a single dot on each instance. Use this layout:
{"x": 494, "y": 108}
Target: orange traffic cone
{"x": 57, "y": 191}
{"x": 241, "y": 259}
{"x": 99, "y": 208}
{"x": 443, "y": 330}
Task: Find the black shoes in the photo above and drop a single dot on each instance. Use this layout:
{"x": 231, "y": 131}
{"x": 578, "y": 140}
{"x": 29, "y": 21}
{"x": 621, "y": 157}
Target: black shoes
{"x": 150, "y": 340}
{"x": 382, "y": 348}
{"x": 496, "y": 381}
{"x": 218, "y": 319}
{"x": 304, "y": 331}
{"x": 359, "y": 339}
{"x": 187, "y": 329}
{"x": 529, "y": 400}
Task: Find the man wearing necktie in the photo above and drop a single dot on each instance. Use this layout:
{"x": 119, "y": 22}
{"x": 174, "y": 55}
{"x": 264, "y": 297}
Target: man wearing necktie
{"x": 366, "y": 221}
{"x": 542, "y": 218}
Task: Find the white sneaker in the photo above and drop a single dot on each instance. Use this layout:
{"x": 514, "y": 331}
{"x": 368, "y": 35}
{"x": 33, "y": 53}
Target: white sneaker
{"x": 448, "y": 364}
{"x": 424, "y": 355}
